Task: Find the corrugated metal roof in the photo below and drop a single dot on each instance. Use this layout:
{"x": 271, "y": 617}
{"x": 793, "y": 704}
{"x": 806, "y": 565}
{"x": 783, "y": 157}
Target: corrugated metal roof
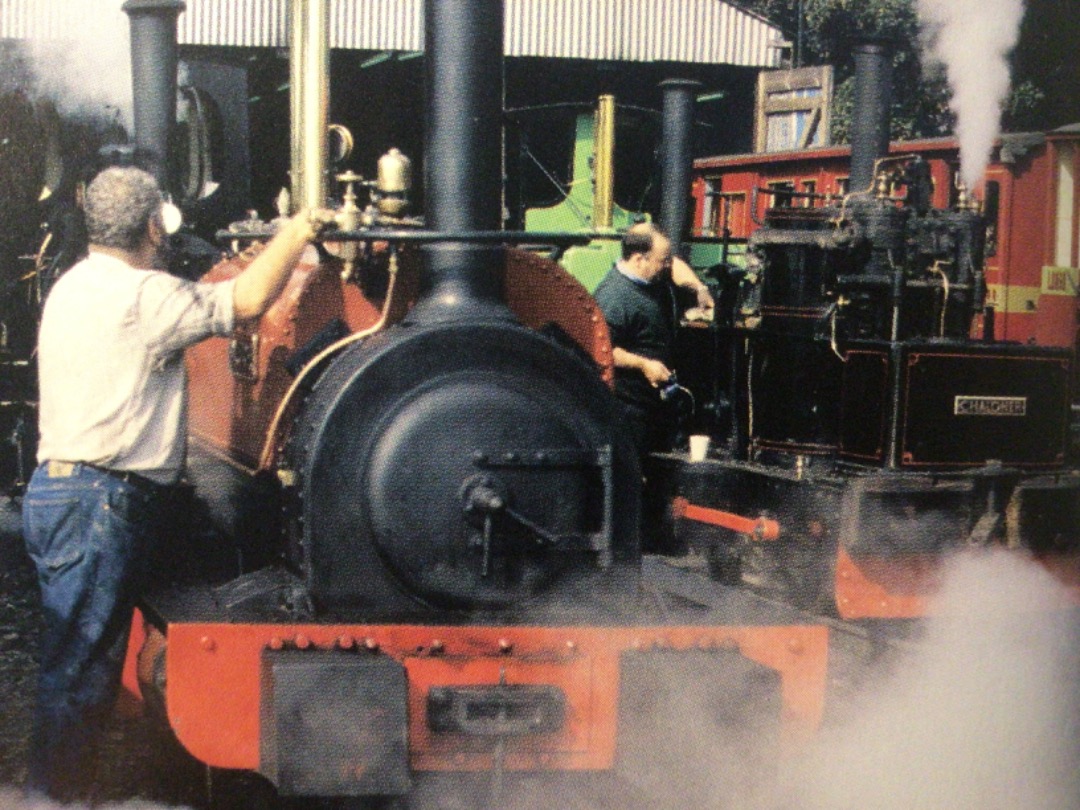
{"x": 52, "y": 19}
{"x": 697, "y": 31}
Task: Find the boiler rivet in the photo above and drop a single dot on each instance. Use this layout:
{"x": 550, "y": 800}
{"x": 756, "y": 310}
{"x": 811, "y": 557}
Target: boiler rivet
{"x": 276, "y": 643}
{"x": 571, "y": 645}
{"x": 436, "y": 646}
{"x": 371, "y": 644}
{"x": 302, "y": 642}
{"x": 346, "y": 642}
{"x": 795, "y": 646}
{"x": 208, "y": 643}
{"x": 505, "y": 645}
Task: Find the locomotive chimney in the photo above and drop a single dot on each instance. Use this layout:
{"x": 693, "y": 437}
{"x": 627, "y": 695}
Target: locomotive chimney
{"x": 463, "y": 159}
{"x": 870, "y": 115}
{"x": 676, "y": 159}
{"x": 309, "y": 83}
{"x": 153, "y": 79}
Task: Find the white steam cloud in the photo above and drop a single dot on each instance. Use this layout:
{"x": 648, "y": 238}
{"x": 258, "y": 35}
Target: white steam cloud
{"x": 973, "y": 39}
{"x": 11, "y": 799}
{"x": 86, "y": 68}
{"x": 981, "y": 714}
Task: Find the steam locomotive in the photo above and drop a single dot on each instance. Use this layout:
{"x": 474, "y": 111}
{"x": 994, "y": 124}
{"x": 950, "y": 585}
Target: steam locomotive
{"x": 855, "y": 392}
{"x": 411, "y": 545}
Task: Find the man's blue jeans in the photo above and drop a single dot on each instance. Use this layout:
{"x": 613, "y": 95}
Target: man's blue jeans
{"x": 86, "y": 532}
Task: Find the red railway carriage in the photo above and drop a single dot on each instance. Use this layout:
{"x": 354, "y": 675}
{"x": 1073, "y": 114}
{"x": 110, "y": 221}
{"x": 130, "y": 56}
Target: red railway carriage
{"x": 1029, "y": 195}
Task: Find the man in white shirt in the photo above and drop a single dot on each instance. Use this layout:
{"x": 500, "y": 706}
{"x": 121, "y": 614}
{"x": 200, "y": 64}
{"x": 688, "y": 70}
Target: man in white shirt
{"x": 113, "y": 424}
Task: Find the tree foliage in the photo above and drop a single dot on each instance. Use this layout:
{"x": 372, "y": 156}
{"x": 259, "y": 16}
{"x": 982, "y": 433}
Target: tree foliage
{"x": 1045, "y": 74}
{"x": 1046, "y": 68}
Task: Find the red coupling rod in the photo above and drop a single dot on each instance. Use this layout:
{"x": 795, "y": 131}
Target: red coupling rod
{"x": 761, "y": 528}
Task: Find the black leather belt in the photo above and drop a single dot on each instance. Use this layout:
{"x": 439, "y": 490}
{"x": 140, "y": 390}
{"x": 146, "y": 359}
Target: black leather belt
{"x": 63, "y": 469}
{"x": 128, "y": 477}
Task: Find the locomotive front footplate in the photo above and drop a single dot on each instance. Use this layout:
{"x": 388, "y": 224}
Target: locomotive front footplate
{"x": 364, "y": 706}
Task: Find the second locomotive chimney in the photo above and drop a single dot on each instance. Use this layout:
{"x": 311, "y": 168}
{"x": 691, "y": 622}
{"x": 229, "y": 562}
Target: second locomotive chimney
{"x": 870, "y": 113}
{"x": 463, "y": 158}
{"x": 676, "y": 158}
{"x": 153, "y": 80}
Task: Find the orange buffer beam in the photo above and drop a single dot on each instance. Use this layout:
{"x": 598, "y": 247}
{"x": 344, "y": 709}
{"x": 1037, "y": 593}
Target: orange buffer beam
{"x": 761, "y": 528}
{"x": 885, "y": 587}
{"x": 213, "y": 676}
{"x": 903, "y": 586}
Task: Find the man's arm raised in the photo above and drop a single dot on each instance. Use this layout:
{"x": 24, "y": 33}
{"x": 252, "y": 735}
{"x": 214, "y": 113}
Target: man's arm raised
{"x": 258, "y": 286}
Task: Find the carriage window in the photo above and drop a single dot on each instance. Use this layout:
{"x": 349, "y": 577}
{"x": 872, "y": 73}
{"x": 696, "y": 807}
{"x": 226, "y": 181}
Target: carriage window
{"x": 730, "y": 214}
{"x": 781, "y": 196}
{"x": 723, "y": 212}
{"x": 991, "y": 208}
{"x": 841, "y": 185}
{"x": 809, "y": 187}
{"x": 708, "y": 205}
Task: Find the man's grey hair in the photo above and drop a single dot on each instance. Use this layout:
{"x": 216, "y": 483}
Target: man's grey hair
{"x": 119, "y": 203}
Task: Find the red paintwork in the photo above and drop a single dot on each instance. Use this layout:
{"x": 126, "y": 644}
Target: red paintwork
{"x": 885, "y": 587}
{"x": 213, "y": 682}
{"x": 540, "y": 291}
{"x": 232, "y": 416}
{"x": 901, "y": 587}
{"x": 130, "y": 699}
{"x": 761, "y": 528}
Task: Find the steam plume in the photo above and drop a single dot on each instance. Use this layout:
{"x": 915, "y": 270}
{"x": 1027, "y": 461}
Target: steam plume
{"x": 981, "y": 715}
{"x": 86, "y": 69}
{"x": 973, "y": 38}
{"x": 11, "y": 799}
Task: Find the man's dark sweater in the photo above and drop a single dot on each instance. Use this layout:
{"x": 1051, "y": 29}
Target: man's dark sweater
{"x": 642, "y": 319}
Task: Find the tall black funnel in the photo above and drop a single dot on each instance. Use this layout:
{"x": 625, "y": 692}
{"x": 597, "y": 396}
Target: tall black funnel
{"x": 463, "y": 158}
{"x": 870, "y": 115}
{"x": 153, "y": 79}
{"x": 676, "y": 157}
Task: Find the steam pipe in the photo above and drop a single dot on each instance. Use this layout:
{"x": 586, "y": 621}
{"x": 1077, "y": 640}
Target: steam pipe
{"x": 676, "y": 158}
{"x": 463, "y": 158}
{"x": 153, "y": 80}
{"x": 309, "y": 82}
{"x": 870, "y": 116}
